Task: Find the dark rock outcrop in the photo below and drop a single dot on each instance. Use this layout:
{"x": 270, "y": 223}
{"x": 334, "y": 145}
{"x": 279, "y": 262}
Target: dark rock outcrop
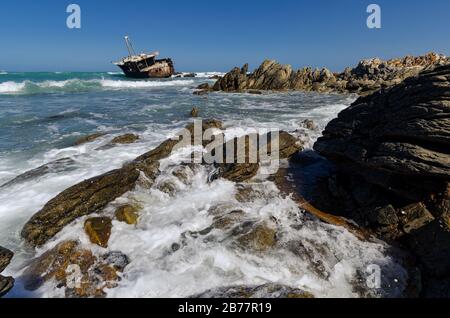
{"x": 369, "y": 76}
{"x": 392, "y": 155}
{"x": 6, "y": 283}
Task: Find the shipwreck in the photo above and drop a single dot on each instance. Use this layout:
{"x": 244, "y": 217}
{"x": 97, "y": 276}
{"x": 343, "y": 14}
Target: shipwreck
{"x": 145, "y": 65}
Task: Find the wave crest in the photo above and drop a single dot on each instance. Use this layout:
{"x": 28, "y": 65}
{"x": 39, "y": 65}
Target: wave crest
{"x": 77, "y": 85}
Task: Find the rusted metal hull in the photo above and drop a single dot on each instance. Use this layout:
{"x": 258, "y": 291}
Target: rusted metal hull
{"x": 149, "y": 69}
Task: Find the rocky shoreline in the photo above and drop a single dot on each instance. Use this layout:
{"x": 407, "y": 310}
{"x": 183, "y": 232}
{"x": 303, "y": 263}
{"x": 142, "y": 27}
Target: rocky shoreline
{"x": 387, "y": 176}
{"x": 367, "y": 77}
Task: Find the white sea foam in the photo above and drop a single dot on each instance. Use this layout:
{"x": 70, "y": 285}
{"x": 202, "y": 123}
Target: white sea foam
{"x": 77, "y": 85}
{"x": 11, "y": 87}
{"x": 3, "y": 73}
{"x": 155, "y": 270}
{"x": 144, "y": 84}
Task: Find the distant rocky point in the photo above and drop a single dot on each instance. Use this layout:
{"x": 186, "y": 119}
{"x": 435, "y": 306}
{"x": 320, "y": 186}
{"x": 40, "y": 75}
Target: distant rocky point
{"x": 368, "y": 76}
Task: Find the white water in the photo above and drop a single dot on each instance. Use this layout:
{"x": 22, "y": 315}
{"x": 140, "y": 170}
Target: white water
{"x": 155, "y": 271}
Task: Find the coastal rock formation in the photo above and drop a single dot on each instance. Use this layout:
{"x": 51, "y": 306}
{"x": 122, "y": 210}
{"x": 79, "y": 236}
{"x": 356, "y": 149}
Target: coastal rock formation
{"x": 94, "y": 194}
{"x": 6, "y": 283}
{"x": 247, "y": 292}
{"x": 391, "y": 150}
{"x": 247, "y": 167}
{"x": 78, "y": 270}
{"x": 88, "y": 138}
{"x": 125, "y": 139}
{"x": 368, "y": 76}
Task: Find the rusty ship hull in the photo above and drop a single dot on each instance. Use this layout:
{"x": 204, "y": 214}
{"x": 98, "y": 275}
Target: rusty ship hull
{"x": 159, "y": 69}
{"x": 145, "y": 65}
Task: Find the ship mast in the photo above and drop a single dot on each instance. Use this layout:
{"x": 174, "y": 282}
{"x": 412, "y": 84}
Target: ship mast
{"x": 131, "y": 51}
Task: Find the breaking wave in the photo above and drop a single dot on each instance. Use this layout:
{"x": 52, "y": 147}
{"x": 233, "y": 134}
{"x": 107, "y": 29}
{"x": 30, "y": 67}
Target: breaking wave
{"x": 77, "y": 85}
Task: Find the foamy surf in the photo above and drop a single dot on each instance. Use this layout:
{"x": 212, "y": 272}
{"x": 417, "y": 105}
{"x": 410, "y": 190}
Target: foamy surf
{"x": 77, "y": 85}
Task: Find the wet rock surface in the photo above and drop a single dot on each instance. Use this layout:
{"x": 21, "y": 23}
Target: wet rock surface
{"x": 88, "y": 139}
{"x": 6, "y": 283}
{"x": 367, "y": 77}
{"x": 96, "y": 193}
{"x": 57, "y": 166}
{"x": 99, "y": 230}
{"x": 392, "y": 167}
{"x": 77, "y": 271}
{"x": 125, "y": 139}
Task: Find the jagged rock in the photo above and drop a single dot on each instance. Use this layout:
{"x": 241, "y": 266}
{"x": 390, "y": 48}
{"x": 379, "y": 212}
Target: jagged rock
{"x": 404, "y": 130}
{"x": 367, "y": 77}
{"x": 394, "y": 145}
{"x": 246, "y": 166}
{"x": 263, "y": 291}
{"x": 57, "y": 166}
{"x": 82, "y": 274}
{"x": 6, "y": 283}
{"x": 415, "y": 216}
{"x": 5, "y": 258}
{"x": 127, "y": 214}
{"x": 203, "y": 86}
{"x": 99, "y": 230}
{"x": 93, "y": 195}
{"x": 88, "y": 138}
{"x": 125, "y": 139}
{"x": 194, "y": 112}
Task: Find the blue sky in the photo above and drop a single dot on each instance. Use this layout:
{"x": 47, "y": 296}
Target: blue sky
{"x": 212, "y": 35}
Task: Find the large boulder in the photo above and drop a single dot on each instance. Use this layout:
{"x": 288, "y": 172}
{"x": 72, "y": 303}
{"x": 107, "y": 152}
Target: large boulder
{"x": 391, "y": 152}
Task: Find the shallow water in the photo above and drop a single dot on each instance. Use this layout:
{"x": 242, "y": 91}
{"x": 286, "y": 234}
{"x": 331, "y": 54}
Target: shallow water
{"x": 42, "y": 114}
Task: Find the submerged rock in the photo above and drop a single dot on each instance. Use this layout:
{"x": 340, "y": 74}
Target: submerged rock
{"x": 125, "y": 139}
{"x": 57, "y": 166}
{"x": 127, "y": 214}
{"x": 263, "y": 291}
{"x": 98, "y": 230}
{"x": 88, "y": 138}
{"x": 261, "y": 238}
